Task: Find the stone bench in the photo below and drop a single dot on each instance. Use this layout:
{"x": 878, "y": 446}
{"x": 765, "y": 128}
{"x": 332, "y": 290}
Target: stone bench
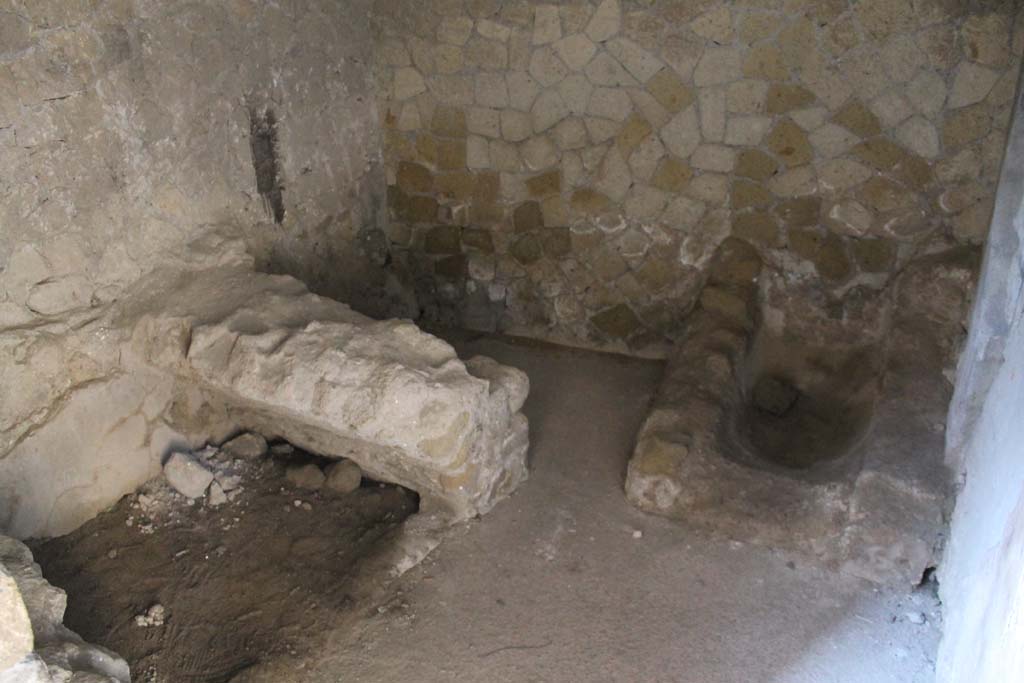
{"x": 281, "y": 361}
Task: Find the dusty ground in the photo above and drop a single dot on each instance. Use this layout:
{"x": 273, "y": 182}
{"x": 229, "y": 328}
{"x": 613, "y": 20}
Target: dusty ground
{"x": 564, "y": 582}
{"x": 259, "y": 577}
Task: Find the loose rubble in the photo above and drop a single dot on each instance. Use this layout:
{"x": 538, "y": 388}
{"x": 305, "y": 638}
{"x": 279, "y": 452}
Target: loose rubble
{"x": 154, "y": 616}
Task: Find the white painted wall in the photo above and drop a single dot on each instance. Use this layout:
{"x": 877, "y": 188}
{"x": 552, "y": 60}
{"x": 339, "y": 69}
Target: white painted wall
{"x": 982, "y": 575}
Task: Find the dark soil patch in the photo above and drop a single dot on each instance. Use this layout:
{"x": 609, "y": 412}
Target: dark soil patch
{"x": 259, "y": 577}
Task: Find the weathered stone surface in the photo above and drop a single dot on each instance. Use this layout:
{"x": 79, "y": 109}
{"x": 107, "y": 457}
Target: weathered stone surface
{"x": 187, "y": 475}
{"x": 891, "y": 108}
{"x": 576, "y": 91}
{"x": 343, "y": 477}
{"x": 526, "y": 250}
{"x": 715, "y": 25}
{"x": 408, "y": 83}
{"x": 442, "y": 239}
{"x": 547, "y": 25}
{"x": 971, "y": 84}
{"x": 618, "y": 322}
{"x": 60, "y": 654}
{"x": 790, "y": 144}
{"x": 605, "y": 70}
{"x": 546, "y": 68}
{"x": 522, "y": 90}
{"x": 717, "y": 66}
{"x": 317, "y": 359}
{"x": 491, "y": 90}
{"x": 682, "y": 134}
{"x": 927, "y": 92}
{"x": 614, "y": 177}
{"x": 610, "y": 103}
{"x": 515, "y": 126}
{"x": 548, "y": 110}
{"x": 245, "y": 447}
{"x": 858, "y": 119}
{"x": 606, "y": 22}
{"x": 753, "y": 163}
{"x": 746, "y": 97}
{"x": 455, "y": 30}
{"x": 850, "y": 217}
{"x": 919, "y": 136}
{"x": 746, "y": 131}
{"x": 875, "y": 519}
{"x": 841, "y": 174}
{"x": 669, "y": 91}
{"x": 16, "y": 639}
{"x": 785, "y": 97}
{"x": 765, "y": 61}
{"x": 640, "y": 63}
{"x": 713, "y": 158}
{"x": 575, "y": 51}
{"x": 308, "y": 476}
{"x": 413, "y": 177}
{"x": 539, "y": 153}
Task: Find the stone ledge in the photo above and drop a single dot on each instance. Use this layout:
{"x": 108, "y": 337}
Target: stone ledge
{"x": 394, "y": 399}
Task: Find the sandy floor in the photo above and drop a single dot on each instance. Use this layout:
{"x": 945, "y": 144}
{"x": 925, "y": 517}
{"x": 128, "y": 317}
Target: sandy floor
{"x": 566, "y": 582}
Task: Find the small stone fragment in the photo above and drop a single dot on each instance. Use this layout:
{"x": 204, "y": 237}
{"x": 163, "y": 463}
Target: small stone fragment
{"x": 305, "y": 476}
{"x": 246, "y": 447}
{"x": 343, "y": 477}
{"x": 217, "y": 497}
{"x": 154, "y": 616}
{"x": 187, "y": 476}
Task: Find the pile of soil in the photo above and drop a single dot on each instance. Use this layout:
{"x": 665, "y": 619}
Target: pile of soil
{"x": 186, "y": 591}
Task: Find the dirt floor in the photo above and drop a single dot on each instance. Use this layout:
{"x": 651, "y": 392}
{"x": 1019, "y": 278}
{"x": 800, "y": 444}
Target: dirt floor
{"x": 197, "y": 593}
{"x": 566, "y": 582}
{"x": 563, "y": 582}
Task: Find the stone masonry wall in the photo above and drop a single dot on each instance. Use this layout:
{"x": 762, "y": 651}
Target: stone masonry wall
{"x": 566, "y": 170}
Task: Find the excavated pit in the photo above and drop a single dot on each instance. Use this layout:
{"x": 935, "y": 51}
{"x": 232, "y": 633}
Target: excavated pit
{"x": 805, "y": 409}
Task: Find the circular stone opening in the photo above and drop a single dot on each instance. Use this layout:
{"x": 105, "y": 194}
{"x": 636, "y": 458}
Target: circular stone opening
{"x": 804, "y": 407}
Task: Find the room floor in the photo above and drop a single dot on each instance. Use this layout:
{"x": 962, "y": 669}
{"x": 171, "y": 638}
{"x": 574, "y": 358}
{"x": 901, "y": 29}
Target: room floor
{"x": 562, "y": 582}
{"x": 566, "y": 582}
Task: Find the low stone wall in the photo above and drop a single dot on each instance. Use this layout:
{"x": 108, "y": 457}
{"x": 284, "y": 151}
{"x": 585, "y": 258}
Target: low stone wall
{"x": 566, "y": 170}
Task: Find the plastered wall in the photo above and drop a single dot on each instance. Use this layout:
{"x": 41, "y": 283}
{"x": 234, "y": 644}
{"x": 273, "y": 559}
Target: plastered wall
{"x": 982, "y": 574}
{"x": 129, "y": 130}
